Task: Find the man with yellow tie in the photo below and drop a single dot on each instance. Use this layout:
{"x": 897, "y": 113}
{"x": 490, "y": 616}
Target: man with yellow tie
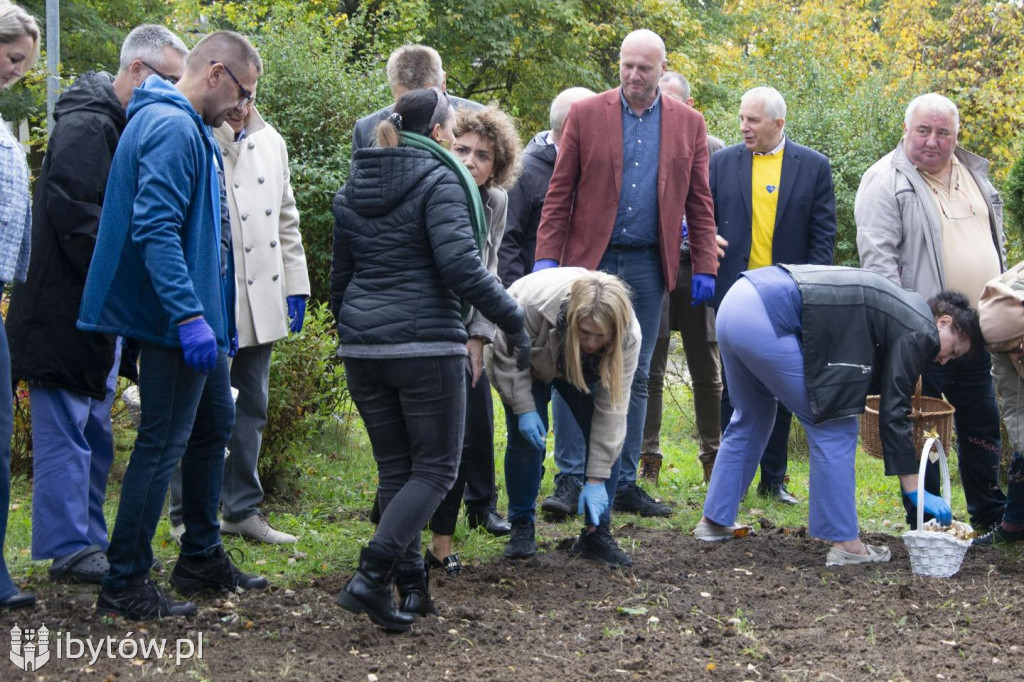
{"x": 774, "y": 203}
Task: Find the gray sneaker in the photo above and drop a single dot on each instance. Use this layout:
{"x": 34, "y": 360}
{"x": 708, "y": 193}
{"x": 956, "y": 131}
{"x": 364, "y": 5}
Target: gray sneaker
{"x": 256, "y": 528}
{"x": 566, "y": 497}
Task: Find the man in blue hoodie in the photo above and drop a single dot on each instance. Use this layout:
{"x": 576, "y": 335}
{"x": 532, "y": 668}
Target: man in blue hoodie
{"x": 72, "y": 374}
{"x": 162, "y": 273}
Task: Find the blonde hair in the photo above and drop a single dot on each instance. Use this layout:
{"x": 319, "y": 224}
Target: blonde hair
{"x": 496, "y": 127}
{"x": 16, "y": 23}
{"x": 605, "y": 300}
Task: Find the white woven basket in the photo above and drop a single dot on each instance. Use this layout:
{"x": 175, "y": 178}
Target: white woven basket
{"x": 933, "y": 554}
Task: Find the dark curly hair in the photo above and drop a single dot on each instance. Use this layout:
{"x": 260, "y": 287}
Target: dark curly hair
{"x": 965, "y": 318}
{"x": 494, "y": 126}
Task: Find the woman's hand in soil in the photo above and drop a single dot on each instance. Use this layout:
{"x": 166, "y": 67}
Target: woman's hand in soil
{"x": 594, "y": 498}
{"x": 532, "y": 428}
{"x": 934, "y": 505}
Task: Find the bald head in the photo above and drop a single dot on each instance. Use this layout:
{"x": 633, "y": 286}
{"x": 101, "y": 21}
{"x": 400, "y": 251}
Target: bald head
{"x": 560, "y": 109}
{"x": 642, "y": 63}
{"x": 644, "y": 39}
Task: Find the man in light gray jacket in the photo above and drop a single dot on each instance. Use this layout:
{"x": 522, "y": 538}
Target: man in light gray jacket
{"x": 929, "y": 219}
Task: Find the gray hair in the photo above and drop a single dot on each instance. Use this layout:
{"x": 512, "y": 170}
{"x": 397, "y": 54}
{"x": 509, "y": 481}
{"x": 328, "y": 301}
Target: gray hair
{"x": 15, "y": 24}
{"x": 414, "y": 67}
{"x": 147, "y": 43}
{"x": 679, "y": 78}
{"x": 774, "y": 104}
{"x": 934, "y": 102}
{"x": 647, "y": 36}
{"x": 560, "y": 107}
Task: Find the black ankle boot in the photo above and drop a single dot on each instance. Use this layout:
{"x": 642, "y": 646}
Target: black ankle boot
{"x": 414, "y": 591}
{"x": 370, "y": 591}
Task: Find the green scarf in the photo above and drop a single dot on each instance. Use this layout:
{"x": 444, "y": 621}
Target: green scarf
{"x": 476, "y": 206}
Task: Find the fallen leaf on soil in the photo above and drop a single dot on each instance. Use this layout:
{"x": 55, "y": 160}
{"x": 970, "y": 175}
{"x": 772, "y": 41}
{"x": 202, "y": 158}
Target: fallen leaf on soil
{"x": 705, "y": 594}
{"x": 741, "y": 532}
{"x": 711, "y": 666}
{"x": 632, "y": 610}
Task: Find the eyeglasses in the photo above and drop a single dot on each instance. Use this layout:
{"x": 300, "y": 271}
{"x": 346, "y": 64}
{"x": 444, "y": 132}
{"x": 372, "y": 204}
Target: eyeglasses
{"x": 952, "y": 204}
{"x": 246, "y": 95}
{"x": 170, "y": 79}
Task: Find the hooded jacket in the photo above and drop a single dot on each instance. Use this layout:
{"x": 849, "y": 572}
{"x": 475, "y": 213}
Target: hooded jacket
{"x": 158, "y": 259}
{"x": 525, "y": 203}
{"x": 46, "y": 346}
{"x": 404, "y": 254}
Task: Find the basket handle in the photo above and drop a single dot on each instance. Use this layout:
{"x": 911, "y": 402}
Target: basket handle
{"x": 915, "y": 406}
{"x": 943, "y": 469}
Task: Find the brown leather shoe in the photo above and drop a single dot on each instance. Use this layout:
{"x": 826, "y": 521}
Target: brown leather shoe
{"x": 708, "y": 466}
{"x": 650, "y": 466}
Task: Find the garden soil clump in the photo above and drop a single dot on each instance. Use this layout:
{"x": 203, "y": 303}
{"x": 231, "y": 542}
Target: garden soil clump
{"x": 760, "y": 608}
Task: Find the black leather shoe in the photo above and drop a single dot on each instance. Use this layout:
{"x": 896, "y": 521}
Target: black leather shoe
{"x": 777, "y": 491}
{"x": 18, "y": 600}
{"x": 414, "y": 590}
{"x": 632, "y": 498}
{"x": 451, "y": 564}
{"x": 192, "y": 574}
{"x": 369, "y": 591}
{"x": 491, "y": 522}
{"x": 522, "y": 543}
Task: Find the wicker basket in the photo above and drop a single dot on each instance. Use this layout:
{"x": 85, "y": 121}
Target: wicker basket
{"x": 928, "y": 416}
{"x": 933, "y": 554}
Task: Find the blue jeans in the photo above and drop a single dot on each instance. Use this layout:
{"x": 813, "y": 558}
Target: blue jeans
{"x": 72, "y": 449}
{"x": 775, "y": 456}
{"x": 7, "y": 586}
{"x": 967, "y": 385}
{"x": 414, "y": 411}
{"x": 766, "y": 370}
{"x": 641, "y": 270}
{"x": 524, "y": 464}
{"x": 186, "y": 416}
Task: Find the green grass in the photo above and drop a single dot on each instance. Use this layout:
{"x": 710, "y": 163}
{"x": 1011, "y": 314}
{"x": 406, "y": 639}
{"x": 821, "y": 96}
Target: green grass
{"x": 338, "y": 479}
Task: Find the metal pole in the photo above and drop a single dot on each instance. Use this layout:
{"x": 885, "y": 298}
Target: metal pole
{"x": 52, "y": 59}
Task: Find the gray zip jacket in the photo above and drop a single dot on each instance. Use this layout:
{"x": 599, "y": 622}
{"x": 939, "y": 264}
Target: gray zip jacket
{"x": 899, "y": 229}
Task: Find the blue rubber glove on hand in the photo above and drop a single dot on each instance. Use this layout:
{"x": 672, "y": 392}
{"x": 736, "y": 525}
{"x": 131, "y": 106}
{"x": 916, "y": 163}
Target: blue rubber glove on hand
{"x": 544, "y": 264}
{"x": 532, "y": 428}
{"x": 593, "y": 497}
{"x": 296, "y": 313}
{"x": 233, "y": 347}
{"x": 199, "y": 344}
{"x": 934, "y": 505}
{"x": 702, "y": 289}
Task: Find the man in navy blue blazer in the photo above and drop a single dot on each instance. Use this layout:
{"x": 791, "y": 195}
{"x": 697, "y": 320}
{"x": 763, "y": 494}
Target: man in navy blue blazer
{"x": 770, "y": 210}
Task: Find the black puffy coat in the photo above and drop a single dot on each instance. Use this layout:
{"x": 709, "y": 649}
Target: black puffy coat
{"x": 46, "y": 346}
{"x": 525, "y": 203}
{"x": 404, "y": 254}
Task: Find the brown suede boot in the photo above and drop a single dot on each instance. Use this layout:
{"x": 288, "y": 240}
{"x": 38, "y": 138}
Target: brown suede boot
{"x": 650, "y": 467}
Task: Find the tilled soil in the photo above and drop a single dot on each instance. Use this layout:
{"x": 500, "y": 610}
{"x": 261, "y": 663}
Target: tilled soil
{"x": 761, "y": 608}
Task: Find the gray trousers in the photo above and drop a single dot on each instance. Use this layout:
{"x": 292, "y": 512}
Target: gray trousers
{"x": 241, "y": 493}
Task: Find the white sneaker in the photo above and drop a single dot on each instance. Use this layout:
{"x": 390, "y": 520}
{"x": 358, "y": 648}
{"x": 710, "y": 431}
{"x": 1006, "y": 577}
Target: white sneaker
{"x": 709, "y": 532}
{"x": 255, "y": 527}
{"x": 177, "y": 530}
{"x": 876, "y": 554}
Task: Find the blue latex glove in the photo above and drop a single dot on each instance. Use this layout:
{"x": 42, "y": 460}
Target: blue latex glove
{"x": 702, "y": 288}
{"x": 934, "y": 505}
{"x": 544, "y": 264}
{"x": 296, "y": 313}
{"x": 532, "y": 428}
{"x": 233, "y": 347}
{"x": 199, "y": 344}
{"x": 593, "y": 497}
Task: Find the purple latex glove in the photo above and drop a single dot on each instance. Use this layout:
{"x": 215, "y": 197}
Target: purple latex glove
{"x": 199, "y": 344}
{"x": 296, "y": 313}
{"x": 544, "y": 264}
{"x": 702, "y": 289}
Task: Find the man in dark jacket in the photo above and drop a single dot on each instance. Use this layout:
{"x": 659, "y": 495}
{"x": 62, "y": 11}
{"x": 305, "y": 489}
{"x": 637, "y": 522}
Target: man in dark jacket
{"x": 526, "y": 199}
{"x": 72, "y": 374}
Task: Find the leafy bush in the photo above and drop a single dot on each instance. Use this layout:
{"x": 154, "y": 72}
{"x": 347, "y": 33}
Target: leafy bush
{"x": 307, "y": 392}
{"x": 1014, "y": 214}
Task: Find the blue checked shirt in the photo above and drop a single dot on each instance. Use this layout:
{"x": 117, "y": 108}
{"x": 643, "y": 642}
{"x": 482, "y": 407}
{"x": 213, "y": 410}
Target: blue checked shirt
{"x": 15, "y": 208}
{"x": 636, "y": 222}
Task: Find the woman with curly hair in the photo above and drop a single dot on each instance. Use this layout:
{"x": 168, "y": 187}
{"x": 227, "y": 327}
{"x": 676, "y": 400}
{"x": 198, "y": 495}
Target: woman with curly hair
{"x": 487, "y": 143}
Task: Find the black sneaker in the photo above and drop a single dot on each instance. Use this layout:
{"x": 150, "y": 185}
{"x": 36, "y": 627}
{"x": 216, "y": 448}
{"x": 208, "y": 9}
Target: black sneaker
{"x": 522, "y": 542}
{"x": 999, "y": 536}
{"x": 566, "y": 497}
{"x": 599, "y": 545}
{"x": 141, "y": 601}
{"x": 632, "y": 498}
{"x": 192, "y": 574}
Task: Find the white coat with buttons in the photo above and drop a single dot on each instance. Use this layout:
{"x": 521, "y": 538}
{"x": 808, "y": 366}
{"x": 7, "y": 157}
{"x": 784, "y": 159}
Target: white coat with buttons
{"x": 270, "y": 263}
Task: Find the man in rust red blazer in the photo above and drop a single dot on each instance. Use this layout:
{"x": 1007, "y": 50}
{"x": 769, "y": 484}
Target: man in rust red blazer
{"x": 630, "y": 165}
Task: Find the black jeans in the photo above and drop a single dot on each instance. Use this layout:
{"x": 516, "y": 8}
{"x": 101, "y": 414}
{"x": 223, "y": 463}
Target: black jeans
{"x": 967, "y": 385}
{"x": 476, "y": 467}
{"x": 413, "y": 410}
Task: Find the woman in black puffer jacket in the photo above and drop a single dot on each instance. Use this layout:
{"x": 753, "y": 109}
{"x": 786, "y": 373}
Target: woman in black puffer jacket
{"x": 407, "y": 238}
